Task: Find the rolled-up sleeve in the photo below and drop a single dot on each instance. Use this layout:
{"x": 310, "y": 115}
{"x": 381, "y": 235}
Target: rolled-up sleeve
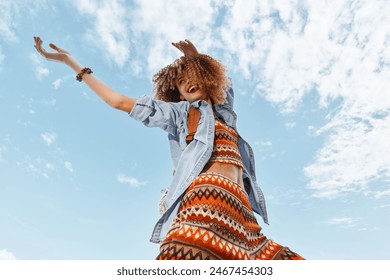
{"x": 157, "y": 113}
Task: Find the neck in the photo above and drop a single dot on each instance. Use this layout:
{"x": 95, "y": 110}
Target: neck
{"x": 210, "y": 103}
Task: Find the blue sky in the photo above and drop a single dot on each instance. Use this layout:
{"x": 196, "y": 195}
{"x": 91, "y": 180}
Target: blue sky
{"x": 79, "y": 180}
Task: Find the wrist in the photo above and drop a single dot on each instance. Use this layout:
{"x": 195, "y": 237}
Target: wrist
{"x": 85, "y": 70}
{"x": 72, "y": 63}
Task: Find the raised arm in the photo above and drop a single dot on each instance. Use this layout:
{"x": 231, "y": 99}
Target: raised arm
{"x": 110, "y": 96}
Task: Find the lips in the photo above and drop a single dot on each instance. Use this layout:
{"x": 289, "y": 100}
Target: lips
{"x": 192, "y": 88}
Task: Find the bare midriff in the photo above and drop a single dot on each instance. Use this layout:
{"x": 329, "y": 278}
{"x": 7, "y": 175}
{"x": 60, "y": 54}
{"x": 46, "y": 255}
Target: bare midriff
{"x": 231, "y": 171}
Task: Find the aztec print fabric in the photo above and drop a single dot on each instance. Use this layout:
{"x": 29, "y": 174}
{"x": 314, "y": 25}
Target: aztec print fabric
{"x": 226, "y": 145}
{"x": 215, "y": 221}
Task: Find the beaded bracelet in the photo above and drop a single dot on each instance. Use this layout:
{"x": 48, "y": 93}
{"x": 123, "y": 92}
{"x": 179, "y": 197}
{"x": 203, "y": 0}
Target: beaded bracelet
{"x": 85, "y": 70}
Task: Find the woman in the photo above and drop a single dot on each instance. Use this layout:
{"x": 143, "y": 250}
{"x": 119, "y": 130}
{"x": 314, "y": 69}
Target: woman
{"x": 208, "y": 210}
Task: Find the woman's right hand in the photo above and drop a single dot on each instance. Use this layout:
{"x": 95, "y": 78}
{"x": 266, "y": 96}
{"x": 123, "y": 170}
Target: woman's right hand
{"x": 59, "y": 56}
{"x": 187, "y": 48}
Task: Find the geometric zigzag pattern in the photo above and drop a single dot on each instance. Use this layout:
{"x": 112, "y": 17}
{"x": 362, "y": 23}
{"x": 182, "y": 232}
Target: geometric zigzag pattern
{"x": 215, "y": 221}
{"x": 225, "y": 148}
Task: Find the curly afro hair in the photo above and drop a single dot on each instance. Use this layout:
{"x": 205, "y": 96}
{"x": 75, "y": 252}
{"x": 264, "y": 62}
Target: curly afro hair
{"x": 201, "y": 68}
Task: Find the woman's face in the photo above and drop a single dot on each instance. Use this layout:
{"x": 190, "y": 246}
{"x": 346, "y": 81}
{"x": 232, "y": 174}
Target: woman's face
{"x": 190, "y": 90}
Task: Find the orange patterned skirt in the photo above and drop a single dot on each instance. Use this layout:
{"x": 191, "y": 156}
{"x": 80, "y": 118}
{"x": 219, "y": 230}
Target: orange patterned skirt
{"x": 215, "y": 222}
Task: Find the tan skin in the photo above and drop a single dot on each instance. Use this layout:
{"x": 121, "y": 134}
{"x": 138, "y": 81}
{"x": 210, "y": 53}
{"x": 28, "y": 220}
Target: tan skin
{"x": 189, "y": 90}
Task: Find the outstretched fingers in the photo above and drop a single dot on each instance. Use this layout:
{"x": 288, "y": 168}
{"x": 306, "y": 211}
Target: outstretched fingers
{"x": 186, "y": 47}
{"x": 38, "y": 46}
{"x": 60, "y": 55}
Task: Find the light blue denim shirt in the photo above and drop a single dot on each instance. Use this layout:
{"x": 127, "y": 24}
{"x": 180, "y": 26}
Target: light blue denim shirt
{"x": 189, "y": 160}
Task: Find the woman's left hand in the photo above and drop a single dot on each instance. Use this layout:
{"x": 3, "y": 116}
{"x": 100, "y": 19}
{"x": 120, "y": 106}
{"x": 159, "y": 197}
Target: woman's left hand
{"x": 60, "y": 55}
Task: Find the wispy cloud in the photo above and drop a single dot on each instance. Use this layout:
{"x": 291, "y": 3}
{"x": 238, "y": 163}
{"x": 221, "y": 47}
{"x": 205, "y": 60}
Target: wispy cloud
{"x": 351, "y": 223}
{"x": 49, "y": 138}
{"x": 7, "y": 12}
{"x": 6, "y": 255}
{"x": 38, "y": 166}
{"x": 40, "y": 70}
{"x": 380, "y": 194}
{"x": 384, "y": 206}
{"x": 2, "y": 57}
{"x": 345, "y": 222}
{"x": 57, "y": 83}
{"x": 50, "y": 101}
{"x": 264, "y": 144}
{"x": 131, "y": 181}
{"x": 265, "y": 148}
{"x": 69, "y": 166}
{"x": 2, "y": 150}
{"x": 290, "y": 125}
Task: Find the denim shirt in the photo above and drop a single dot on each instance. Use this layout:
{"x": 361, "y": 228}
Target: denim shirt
{"x": 189, "y": 160}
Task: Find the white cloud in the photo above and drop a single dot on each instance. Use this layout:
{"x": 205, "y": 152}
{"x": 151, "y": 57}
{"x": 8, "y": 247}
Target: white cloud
{"x": 131, "y": 181}
{"x": 380, "y": 194}
{"x": 57, "y": 83}
{"x": 49, "y": 138}
{"x": 50, "y": 102}
{"x": 290, "y": 125}
{"x": 338, "y": 50}
{"x": 6, "y": 255}
{"x": 49, "y": 166}
{"x": 2, "y": 150}
{"x": 345, "y": 222}
{"x": 40, "y": 70}
{"x": 110, "y": 29}
{"x": 38, "y": 166}
{"x": 158, "y": 23}
{"x": 2, "y": 57}
{"x": 352, "y": 158}
{"x": 369, "y": 229}
{"x": 7, "y": 22}
{"x": 264, "y": 145}
{"x": 68, "y": 166}
{"x": 340, "y": 54}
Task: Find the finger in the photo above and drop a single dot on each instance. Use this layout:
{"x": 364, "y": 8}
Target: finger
{"x": 178, "y": 46}
{"x": 54, "y": 47}
{"x": 190, "y": 43}
{"x": 38, "y": 44}
{"x": 41, "y": 50}
{"x": 38, "y": 41}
